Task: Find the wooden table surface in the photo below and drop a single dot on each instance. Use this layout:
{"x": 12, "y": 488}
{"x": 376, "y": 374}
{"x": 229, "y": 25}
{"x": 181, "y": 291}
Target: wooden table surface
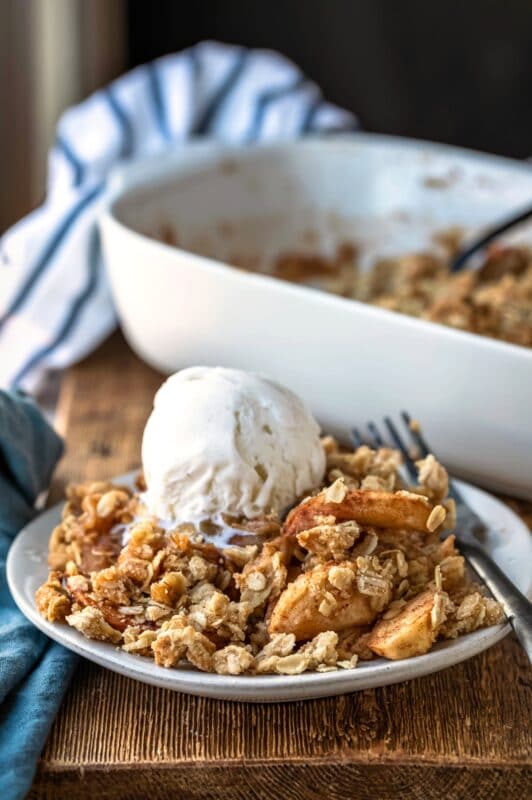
{"x": 462, "y": 733}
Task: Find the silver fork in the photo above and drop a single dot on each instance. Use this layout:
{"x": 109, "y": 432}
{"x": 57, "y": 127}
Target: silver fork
{"x": 470, "y": 532}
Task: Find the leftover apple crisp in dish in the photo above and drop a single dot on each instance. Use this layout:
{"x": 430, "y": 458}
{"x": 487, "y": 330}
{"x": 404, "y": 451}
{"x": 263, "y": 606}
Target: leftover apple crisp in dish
{"x": 356, "y": 569}
{"x": 494, "y": 300}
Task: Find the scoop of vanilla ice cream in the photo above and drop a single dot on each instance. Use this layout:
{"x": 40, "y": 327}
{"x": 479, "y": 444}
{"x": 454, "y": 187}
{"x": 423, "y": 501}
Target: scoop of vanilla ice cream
{"x": 224, "y": 440}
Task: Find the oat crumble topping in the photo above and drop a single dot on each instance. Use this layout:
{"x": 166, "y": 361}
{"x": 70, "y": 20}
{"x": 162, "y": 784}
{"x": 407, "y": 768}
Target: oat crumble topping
{"x": 356, "y": 570}
{"x": 494, "y": 301}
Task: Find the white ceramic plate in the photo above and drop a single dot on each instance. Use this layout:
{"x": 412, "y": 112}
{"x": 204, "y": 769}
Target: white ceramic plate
{"x": 510, "y": 544}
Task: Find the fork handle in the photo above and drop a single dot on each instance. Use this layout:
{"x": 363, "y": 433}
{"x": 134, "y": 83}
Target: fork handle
{"x": 516, "y": 606}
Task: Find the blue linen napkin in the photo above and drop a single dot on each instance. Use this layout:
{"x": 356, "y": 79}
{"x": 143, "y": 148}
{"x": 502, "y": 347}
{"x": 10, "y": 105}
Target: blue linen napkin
{"x": 34, "y": 672}
{"x": 55, "y": 302}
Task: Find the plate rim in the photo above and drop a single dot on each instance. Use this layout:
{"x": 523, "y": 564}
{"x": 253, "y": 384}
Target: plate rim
{"x": 259, "y": 688}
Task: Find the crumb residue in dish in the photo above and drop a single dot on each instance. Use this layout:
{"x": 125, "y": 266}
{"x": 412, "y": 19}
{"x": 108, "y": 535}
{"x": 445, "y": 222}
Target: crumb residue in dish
{"x": 494, "y": 300}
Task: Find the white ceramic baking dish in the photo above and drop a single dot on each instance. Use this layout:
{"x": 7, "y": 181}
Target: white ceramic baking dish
{"x": 351, "y": 362}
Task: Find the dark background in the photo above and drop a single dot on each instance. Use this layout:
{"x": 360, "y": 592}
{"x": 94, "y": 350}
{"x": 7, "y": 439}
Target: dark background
{"x": 456, "y": 72}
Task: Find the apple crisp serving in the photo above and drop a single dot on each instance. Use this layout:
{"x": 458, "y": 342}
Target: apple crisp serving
{"x": 356, "y": 570}
{"x": 494, "y": 300}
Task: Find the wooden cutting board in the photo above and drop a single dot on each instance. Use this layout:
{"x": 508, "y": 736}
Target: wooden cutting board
{"x": 462, "y": 733}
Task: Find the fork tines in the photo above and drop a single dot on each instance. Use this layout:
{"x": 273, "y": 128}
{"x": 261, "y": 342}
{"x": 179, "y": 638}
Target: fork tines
{"x": 375, "y": 439}
{"x": 420, "y": 447}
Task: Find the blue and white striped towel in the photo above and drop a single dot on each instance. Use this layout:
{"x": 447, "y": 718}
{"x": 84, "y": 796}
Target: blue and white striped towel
{"x": 55, "y": 303}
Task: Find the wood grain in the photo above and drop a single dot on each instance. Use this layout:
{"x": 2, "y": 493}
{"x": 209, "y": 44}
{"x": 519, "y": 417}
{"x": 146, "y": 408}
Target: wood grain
{"x": 463, "y": 732}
